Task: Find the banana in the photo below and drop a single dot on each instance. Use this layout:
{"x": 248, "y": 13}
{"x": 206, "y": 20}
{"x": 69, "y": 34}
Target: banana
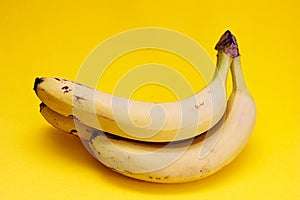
{"x": 173, "y": 162}
{"x": 205, "y": 155}
{"x": 144, "y": 121}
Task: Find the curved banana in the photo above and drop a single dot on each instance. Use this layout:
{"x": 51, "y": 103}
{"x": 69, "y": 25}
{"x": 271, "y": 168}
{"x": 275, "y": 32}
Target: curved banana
{"x": 205, "y": 155}
{"x": 194, "y": 158}
{"x": 145, "y": 121}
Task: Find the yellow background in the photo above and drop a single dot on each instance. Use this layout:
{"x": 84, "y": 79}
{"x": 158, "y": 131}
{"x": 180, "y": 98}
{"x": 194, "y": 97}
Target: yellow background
{"x": 52, "y": 38}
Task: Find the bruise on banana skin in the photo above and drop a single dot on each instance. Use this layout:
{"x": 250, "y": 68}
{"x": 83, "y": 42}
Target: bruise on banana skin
{"x": 78, "y": 98}
{"x": 158, "y": 178}
{"x": 73, "y": 132}
{"x": 63, "y": 79}
{"x": 73, "y": 117}
{"x": 66, "y": 89}
{"x": 60, "y": 79}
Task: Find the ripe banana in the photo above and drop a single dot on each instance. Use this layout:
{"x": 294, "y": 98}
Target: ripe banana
{"x": 191, "y": 159}
{"x": 145, "y": 121}
{"x": 205, "y": 154}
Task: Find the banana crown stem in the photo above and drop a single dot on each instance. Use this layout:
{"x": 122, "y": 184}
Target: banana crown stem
{"x": 223, "y": 63}
{"x": 237, "y": 75}
{"x": 228, "y": 44}
{"x": 227, "y": 48}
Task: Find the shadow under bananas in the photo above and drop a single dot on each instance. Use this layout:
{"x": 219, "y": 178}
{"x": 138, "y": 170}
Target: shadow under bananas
{"x": 72, "y": 149}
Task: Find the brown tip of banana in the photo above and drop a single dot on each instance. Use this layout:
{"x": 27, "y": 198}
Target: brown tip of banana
{"x": 37, "y": 81}
{"x": 42, "y": 105}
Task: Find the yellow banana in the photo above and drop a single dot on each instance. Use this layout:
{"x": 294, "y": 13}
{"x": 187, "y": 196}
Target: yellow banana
{"x": 145, "y": 121}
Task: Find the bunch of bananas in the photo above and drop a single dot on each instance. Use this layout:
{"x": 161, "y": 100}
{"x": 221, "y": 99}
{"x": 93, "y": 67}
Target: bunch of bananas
{"x": 195, "y": 137}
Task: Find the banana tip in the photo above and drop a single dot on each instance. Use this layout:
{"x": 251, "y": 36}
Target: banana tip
{"x": 37, "y": 81}
{"x": 42, "y": 106}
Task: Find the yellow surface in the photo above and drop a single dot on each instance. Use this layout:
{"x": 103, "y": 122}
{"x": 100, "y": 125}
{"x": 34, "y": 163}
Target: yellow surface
{"x": 52, "y": 38}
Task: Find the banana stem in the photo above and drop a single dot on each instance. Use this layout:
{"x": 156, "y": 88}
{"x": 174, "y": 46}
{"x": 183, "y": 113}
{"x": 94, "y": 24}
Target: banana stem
{"x": 227, "y": 50}
{"x": 223, "y": 64}
{"x": 237, "y": 75}
{"x": 228, "y": 44}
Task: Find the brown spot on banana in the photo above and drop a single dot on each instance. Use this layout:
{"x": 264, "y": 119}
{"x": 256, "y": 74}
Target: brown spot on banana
{"x": 129, "y": 172}
{"x": 78, "y": 98}
{"x": 74, "y": 118}
{"x": 74, "y": 132}
{"x": 158, "y": 178}
{"x": 66, "y": 89}
{"x": 197, "y": 106}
